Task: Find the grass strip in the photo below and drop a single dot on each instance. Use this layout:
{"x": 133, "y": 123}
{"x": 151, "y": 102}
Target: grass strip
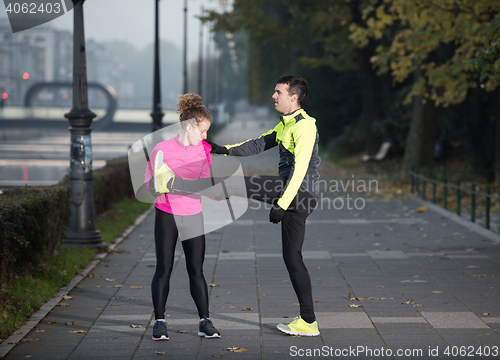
{"x": 22, "y": 296}
{"x": 113, "y": 222}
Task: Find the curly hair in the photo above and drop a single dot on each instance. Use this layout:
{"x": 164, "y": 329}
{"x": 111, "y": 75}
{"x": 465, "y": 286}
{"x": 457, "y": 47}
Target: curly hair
{"x": 191, "y": 107}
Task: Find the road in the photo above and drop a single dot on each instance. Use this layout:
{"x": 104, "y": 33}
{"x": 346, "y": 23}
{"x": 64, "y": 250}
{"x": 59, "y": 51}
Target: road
{"x": 37, "y": 152}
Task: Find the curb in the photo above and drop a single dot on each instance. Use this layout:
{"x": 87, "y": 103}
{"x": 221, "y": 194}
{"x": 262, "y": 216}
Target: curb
{"x": 468, "y": 224}
{"x": 8, "y": 344}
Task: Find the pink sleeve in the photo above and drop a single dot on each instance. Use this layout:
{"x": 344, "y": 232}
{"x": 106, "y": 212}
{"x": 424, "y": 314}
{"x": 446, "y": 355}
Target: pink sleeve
{"x": 205, "y": 169}
{"x": 149, "y": 168}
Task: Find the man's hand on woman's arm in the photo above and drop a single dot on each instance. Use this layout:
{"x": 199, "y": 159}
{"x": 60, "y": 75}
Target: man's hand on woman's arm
{"x": 217, "y": 149}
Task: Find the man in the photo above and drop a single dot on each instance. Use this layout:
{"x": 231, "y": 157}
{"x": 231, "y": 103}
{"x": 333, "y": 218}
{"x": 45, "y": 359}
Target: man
{"x": 297, "y": 138}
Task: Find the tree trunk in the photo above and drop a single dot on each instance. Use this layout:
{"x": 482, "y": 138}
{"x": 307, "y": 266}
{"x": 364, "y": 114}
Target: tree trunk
{"x": 497, "y": 137}
{"x": 370, "y": 100}
{"x": 422, "y": 136}
{"x": 371, "y": 109}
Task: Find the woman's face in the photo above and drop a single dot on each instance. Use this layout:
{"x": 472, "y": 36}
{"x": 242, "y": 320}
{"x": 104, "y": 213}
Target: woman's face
{"x": 197, "y": 132}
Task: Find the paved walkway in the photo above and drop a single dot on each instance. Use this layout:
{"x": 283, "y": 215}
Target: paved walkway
{"x": 388, "y": 283}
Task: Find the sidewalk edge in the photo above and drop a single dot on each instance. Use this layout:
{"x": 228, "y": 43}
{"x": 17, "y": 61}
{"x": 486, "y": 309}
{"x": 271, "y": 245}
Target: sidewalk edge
{"x": 468, "y": 224}
{"x": 8, "y": 344}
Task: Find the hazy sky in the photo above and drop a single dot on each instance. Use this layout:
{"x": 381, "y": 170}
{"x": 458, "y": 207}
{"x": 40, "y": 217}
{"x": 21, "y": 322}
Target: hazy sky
{"x": 133, "y": 21}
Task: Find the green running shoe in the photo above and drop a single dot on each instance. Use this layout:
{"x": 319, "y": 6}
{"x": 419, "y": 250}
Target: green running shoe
{"x": 300, "y": 327}
{"x": 164, "y": 176}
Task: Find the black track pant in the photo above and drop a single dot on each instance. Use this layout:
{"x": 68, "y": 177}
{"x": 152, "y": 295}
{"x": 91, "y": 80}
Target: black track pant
{"x": 167, "y": 228}
{"x": 267, "y": 189}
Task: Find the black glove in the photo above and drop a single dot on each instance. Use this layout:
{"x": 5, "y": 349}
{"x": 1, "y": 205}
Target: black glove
{"x": 217, "y": 149}
{"x": 152, "y": 190}
{"x": 276, "y": 213}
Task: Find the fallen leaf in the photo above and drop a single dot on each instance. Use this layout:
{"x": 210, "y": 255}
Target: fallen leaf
{"x": 117, "y": 286}
{"x": 182, "y": 331}
{"x": 136, "y": 287}
{"x": 161, "y": 353}
{"x": 355, "y": 305}
{"x": 213, "y": 285}
{"x": 62, "y": 304}
{"x": 110, "y": 279}
{"x": 51, "y": 322}
{"x": 486, "y": 314}
{"x": 480, "y": 275}
{"x": 40, "y": 330}
{"x": 296, "y": 304}
{"x": 436, "y": 292}
{"x": 113, "y": 298}
{"x": 318, "y": 302}
{"x": 67, "y": 297}
{"x": 78, "y": 331}
{"x": 233, "y": 307}
{"x": 286, "y": 281}
{"x": 70, "y": 323}
{"x": 422, "y": 209}
{"x": 246, "y": 309}
{"x": 30, "y": 340}
{"x": 228, "y": 292}
{"x": 135, "y": 326}
{"x": 412, "y": 303}
{"x": 99, "y": 286}
{"x": 236, "y": 349}
{"x": 93, "y": 274}
{"x": 473, "y": 266}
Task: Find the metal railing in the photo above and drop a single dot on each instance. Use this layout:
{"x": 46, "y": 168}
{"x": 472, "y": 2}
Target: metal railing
{"x": 422, "y": 178}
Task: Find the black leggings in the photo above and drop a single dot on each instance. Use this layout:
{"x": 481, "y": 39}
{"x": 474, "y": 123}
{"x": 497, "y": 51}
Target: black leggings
{"x": 167, "y": 228}
{"x": 293, "y": 225}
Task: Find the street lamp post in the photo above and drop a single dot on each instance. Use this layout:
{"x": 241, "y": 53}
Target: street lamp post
{"x": 200, "y": 59}
{"x": 157, "y": 113}
{"x": 185, "y": 48}
{"x": 81, "y": 231}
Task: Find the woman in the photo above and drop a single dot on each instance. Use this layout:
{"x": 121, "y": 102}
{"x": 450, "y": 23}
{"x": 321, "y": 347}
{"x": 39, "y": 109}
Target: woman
{"x": 186, "y": 156}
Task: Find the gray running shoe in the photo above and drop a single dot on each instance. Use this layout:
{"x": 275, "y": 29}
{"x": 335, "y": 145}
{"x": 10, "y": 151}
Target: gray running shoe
{"x": 208, "y": 330}
{"x": 160, "y": 330}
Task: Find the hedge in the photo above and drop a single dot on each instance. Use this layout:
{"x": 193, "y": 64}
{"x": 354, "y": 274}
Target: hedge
{"x": 33, "y": 219}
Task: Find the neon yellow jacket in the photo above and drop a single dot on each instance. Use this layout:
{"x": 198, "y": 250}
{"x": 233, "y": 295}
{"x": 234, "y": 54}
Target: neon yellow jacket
{"x": 297, "y": 137}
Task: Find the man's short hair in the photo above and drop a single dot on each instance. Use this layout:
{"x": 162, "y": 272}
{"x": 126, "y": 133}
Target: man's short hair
{"x": 296, "y": 85}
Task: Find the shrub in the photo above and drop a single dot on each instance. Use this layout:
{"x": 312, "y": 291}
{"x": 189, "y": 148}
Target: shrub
{"x": 32, "y": 222}
{"x": 33, "y": 219}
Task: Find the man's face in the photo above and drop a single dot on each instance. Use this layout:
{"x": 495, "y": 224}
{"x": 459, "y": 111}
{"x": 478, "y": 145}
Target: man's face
{"x": 283, "y": 102}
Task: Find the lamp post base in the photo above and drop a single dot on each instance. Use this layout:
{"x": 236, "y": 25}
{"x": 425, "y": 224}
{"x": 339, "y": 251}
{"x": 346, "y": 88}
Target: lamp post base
{"x": 89, "y": 239}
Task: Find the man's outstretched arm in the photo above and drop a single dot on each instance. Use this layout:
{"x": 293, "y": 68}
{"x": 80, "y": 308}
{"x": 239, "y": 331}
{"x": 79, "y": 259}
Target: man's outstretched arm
{"x": 249, "y": 147}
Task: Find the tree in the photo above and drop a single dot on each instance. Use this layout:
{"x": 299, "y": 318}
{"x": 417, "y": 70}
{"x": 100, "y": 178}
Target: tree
{"x": 448, "y": 45}
{"x": 310, "y": 38}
